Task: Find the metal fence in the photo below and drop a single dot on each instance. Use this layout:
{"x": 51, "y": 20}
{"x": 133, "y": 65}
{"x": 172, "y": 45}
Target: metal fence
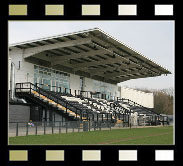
{"x": 59, "y": 127}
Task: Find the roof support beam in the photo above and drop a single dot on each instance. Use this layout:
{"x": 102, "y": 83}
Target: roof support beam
{"x": 102, "y": 70}
{"x": 134, "y": 77}
{"x": 80, "y": 66}
{"x": 122, "y": 73}
{"x": 108, "y": 44}
{"x": 125, "y": 58}
{"x": 63, "y": 59}
{"x": 119, "y": 50}
{"x": 31, "y": 51}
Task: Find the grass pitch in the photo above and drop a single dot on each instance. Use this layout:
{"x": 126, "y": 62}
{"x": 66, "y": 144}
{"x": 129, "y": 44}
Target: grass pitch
{"x": 134, "y": 136}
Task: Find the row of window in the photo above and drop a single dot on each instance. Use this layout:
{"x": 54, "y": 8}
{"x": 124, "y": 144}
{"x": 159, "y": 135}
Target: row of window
{"x": 47, "y": 76}
{"x": 103, "y": 87}
{"x": 50, "y": 78}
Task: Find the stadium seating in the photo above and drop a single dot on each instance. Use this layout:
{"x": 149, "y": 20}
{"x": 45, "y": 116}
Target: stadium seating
{"x": 82, "y": 108}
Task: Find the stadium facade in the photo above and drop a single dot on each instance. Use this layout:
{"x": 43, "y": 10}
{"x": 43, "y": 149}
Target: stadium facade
{"x": 77, "y": 74}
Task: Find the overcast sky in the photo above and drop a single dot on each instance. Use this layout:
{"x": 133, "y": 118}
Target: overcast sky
{"x": 154, "y": 39}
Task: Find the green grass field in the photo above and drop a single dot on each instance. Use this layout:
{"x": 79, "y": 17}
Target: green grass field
{"x": 150, "y": 135}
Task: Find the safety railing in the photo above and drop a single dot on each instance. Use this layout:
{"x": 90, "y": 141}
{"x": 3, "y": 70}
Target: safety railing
{"x": 52, "y": 88}
{"x": 137, "y": 104}
{"x": 60, "y": 127}
{"x": 29, "y": 87}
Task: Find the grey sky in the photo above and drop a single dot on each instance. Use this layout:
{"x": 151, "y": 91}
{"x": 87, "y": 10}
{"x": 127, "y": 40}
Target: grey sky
{"x": 154, "y": 39}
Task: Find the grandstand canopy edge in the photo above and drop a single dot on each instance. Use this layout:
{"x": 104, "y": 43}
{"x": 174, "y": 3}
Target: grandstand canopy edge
{"x": 93, "y": 54}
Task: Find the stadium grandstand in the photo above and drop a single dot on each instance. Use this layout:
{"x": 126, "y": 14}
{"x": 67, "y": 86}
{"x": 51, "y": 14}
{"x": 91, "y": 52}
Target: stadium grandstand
{"x": 75, "y": 76}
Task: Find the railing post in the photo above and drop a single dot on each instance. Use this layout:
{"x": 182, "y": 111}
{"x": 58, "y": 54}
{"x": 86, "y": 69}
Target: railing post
{"x": 59, "y": 127}
{"x": 66, "y": 126}
{"x": 70, "y": 91}
{"x": 27, "y": 129}
{"x": 76, "y": 113}
{"x": 94, "y": 125}
{"x": 81, "y": 115}
{"x": 79, "y": 126}
{"x": 17, "y": 129}
{"x": 52, "y": 128}
{"x": 36, "y": 128}
{"x": 75, "y": 92}
{"x": 20, "y": 86}
{"x": 73, "y": 128}
{"x": 89, "y": 125}
{"x": 44, "y": 127}
{"x": 155, "y": 120}
{"x": 57, "y": 100}
{"x": 30, "y": 88}
{"x": 66, "y": 108}
{"x": 39, "y": 92}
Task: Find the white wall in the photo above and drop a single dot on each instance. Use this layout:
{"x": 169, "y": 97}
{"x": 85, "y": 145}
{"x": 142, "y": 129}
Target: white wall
{"x": 26, "y": 71}
{"x": 74, "y": 82}
{"x": 145, "y": 99}
{"x": 9, "y": 72}
{"x": 117, "y": 93}
{"x": 89, "y": 86}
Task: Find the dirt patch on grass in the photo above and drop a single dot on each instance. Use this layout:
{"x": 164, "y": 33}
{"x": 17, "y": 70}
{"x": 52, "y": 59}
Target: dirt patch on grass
{"x": 133, "y": 138}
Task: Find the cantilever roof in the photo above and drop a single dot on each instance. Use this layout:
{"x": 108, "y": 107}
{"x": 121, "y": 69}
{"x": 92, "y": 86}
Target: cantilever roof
{"x": 91, "y": 53}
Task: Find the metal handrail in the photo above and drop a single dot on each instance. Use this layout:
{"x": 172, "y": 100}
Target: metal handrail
{"x": 123, "y": 99}
{"x": 38, "y": 89}
{"x": 60, "y": 87}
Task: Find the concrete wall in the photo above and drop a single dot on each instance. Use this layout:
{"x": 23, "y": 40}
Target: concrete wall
{"x": 19, "y": 113}
{"x": 145, "y": 99}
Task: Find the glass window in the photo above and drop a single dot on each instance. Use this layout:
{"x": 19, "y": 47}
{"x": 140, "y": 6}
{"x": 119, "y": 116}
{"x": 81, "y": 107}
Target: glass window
{"x": 43, "y": 75}
{"x": 35, "y": 80}
{"x": 40, "y": 72}
{"x": 41, "y": 68}
{"x": 36, "y": 67}
{"x": 36, "y": 71}
{"x": 36, "y": 75}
